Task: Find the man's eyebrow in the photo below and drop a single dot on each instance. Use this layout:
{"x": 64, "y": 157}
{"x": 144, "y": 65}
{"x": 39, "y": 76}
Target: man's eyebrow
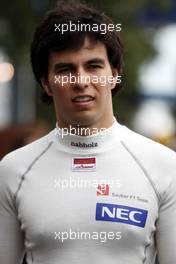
{"x": 60, "y": 65}
{"x": 96, "y": 60}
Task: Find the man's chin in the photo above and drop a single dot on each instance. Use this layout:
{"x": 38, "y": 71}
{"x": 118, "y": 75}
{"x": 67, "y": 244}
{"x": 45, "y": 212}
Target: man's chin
{"x": 85, "y": 120}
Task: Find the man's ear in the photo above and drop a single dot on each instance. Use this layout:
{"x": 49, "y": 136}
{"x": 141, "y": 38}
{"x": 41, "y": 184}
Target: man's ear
{"x": 46, "y": 86}
{"x": 115, "y": 75}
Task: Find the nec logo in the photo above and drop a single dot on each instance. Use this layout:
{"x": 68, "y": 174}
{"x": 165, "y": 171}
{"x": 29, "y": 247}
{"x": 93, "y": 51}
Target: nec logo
{"x": 122, "y": 214}
{"x": 102, "y": 189}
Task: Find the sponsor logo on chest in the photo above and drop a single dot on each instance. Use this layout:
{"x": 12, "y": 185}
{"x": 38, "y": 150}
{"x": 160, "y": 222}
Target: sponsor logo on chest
{"x": 121, "y": 214}
{"x": 84, "y": 145}
{"x": 103, "y": 189}
{"x": 84, "y": 164}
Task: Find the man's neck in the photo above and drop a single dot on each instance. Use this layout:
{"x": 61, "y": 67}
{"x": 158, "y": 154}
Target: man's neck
{"x": 86, "y": 130}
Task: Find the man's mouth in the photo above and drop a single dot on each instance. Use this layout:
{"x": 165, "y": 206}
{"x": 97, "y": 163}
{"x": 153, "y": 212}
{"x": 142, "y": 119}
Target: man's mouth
{"x": 83, "y": 98}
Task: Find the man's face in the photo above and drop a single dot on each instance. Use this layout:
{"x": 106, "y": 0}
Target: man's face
{"x": 84, "y": 99}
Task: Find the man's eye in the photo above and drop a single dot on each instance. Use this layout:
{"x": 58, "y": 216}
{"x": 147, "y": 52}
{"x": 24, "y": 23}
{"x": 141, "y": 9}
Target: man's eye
{"x": 62, "y": 70}
{"x": 94, "y": 66}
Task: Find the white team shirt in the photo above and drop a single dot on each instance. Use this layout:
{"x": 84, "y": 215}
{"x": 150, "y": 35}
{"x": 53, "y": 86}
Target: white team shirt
{"x": 107, "y": 198}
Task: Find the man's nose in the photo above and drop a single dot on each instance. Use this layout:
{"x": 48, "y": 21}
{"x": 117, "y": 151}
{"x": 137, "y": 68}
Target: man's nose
{"x": 82, "y": 79}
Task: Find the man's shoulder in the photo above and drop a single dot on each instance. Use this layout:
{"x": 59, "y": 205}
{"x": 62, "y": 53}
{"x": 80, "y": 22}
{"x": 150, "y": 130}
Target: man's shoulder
{"x": 17, "y": 162}
{"x": 157, "y": 161}
{"x": 146, "y": 147}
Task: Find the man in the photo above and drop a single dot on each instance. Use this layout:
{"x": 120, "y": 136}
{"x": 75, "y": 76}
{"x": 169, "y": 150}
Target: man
{"x": 91, "y": 190}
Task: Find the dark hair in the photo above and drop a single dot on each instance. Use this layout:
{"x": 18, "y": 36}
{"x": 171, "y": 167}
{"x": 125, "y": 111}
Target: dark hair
{"x": 46, "y": 40}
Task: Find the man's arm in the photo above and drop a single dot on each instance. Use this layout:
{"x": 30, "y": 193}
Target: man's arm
{"x": 11, "y": 236}
{"x": 160, "y": 164}
{"x": 166, "y": 225}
